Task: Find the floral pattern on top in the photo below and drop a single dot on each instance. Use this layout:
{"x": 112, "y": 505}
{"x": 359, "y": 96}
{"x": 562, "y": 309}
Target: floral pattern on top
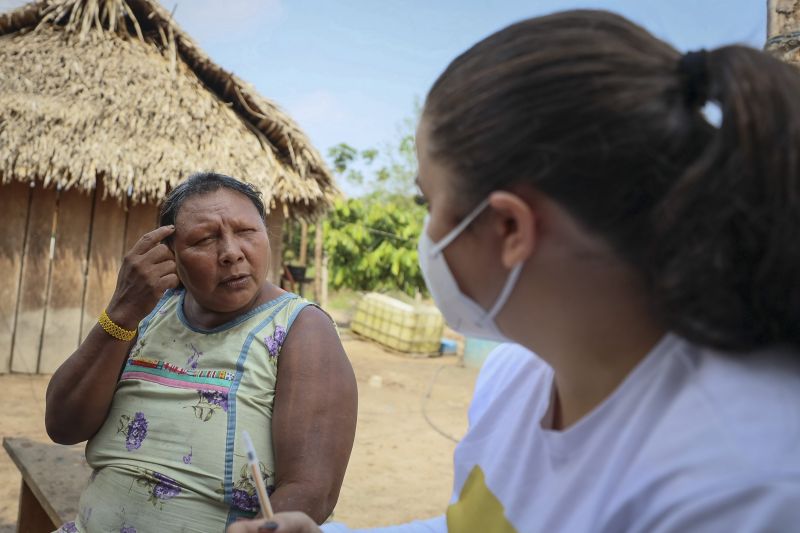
{"x": 275, "y": 341}
{"x": 69, "y": 527}
{"x": 194, "y": 358}
{"x": 179, "y": 394}
{"x": 244, "y": 496}
{"x": 208, "y": 402}
{"x": 135, "y": 430}
{"x": 161, "y": 488}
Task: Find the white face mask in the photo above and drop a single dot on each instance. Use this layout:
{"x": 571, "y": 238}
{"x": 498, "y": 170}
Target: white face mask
{"x": 461, "y": 312}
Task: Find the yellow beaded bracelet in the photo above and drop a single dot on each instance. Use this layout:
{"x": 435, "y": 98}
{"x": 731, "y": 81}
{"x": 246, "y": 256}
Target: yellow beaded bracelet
{"x": 114, "y": 330}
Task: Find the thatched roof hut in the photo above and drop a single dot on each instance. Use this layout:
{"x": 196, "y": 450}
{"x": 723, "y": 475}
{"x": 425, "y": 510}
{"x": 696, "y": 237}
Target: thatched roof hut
{"x": 115, "y": 90}
{"x": 104, "y": 106}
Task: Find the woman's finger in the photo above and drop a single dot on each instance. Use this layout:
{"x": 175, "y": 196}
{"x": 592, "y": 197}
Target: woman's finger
{"x": 164, "y": 267}
{"x": 151, "y": 239}
{"x": 293, "y": 522}
{"x": 170, "y": 281}
{"x": 158, "y": 253}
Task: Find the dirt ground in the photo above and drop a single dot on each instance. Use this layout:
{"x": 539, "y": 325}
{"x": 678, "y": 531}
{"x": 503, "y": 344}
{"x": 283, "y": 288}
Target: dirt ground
{"x": 401, "y": 466}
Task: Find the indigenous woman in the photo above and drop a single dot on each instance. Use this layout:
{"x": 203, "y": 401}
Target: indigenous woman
{"x": 195, "y": 347}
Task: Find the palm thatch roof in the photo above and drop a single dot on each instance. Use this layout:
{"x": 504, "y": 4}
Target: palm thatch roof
{"x": 115, "y": 91}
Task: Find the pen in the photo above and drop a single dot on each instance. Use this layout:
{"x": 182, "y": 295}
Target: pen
{"x": 252, "y": 459}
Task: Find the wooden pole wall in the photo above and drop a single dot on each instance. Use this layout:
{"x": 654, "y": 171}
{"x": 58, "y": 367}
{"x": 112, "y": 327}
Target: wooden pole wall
{"x": 106, "y": 248}
{"x": 33, "y": 282}
{"x": 60, "y": 252}
{"x": 14, "y": 203}
{"x": 62, "y": 326}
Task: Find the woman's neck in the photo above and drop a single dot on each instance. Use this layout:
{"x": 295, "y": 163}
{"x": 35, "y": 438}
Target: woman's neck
{"x": 584, "y": 378}
{"x": 592, "y": 323}
{"x": 199, "y": 316}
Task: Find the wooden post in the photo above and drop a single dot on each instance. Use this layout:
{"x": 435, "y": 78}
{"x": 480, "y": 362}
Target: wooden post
{"x": 780, "y": 16}
{"x": 303, "y": 256}
{"x": 783, "y": 19}
{"x": 323, "y": 300}
{"x": 772, "y": 20}
{"x": 62, "y": 325}
{"x": 14, "y": 203}
{"x": 36, "y": 264}
{"x": 318, "y": 261}
{"x": 275, "y": 230}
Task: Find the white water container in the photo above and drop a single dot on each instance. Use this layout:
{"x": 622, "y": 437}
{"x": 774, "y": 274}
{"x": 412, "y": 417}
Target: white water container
{"x": 398, "y": 325}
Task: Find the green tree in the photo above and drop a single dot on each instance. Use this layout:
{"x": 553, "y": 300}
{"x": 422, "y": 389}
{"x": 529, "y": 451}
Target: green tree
{"x": 373, "y": 245}
{"x": 371, "y": 240}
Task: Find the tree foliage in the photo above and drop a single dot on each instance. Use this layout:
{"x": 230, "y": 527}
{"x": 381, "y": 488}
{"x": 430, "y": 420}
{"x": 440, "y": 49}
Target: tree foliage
{"x": 372, "y": 245}
{"x": 371, "y": 239}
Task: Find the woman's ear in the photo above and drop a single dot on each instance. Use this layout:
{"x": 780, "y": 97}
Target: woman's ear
{"x": 515, "y": 226}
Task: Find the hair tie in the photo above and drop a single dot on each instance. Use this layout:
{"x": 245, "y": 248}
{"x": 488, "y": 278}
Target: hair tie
{"x": 693, "y": 68}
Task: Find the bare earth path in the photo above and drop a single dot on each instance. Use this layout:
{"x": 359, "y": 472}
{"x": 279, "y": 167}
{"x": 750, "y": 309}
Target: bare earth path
{"x": 401, "y": 468}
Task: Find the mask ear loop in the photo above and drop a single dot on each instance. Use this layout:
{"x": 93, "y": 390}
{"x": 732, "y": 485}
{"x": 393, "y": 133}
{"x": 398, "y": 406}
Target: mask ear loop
{"x": 455, "y": 232}
{"x": 506, "y": 292}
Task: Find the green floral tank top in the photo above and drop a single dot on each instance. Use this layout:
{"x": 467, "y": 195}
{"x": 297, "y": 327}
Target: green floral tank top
{"x": 169, "y": 456}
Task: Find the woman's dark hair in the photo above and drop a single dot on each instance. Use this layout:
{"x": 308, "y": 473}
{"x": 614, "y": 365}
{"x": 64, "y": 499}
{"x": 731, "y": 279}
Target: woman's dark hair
{"x": 604, "y": 118}
{"x": 204, "y": 183}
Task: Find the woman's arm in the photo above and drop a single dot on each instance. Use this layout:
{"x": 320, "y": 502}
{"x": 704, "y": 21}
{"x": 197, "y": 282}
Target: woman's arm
{"x": 80, "y": 392}
{"x": 314, "y": 417}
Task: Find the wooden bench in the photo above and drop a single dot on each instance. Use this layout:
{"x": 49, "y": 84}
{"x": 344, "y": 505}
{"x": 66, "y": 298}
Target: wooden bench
{"x": 53, "y": 478}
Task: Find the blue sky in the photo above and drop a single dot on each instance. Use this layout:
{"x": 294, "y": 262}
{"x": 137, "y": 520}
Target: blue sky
{"x": 348, "y": 70}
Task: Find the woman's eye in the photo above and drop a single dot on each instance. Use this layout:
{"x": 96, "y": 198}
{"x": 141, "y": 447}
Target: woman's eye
{"x": 420, "y": 199}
